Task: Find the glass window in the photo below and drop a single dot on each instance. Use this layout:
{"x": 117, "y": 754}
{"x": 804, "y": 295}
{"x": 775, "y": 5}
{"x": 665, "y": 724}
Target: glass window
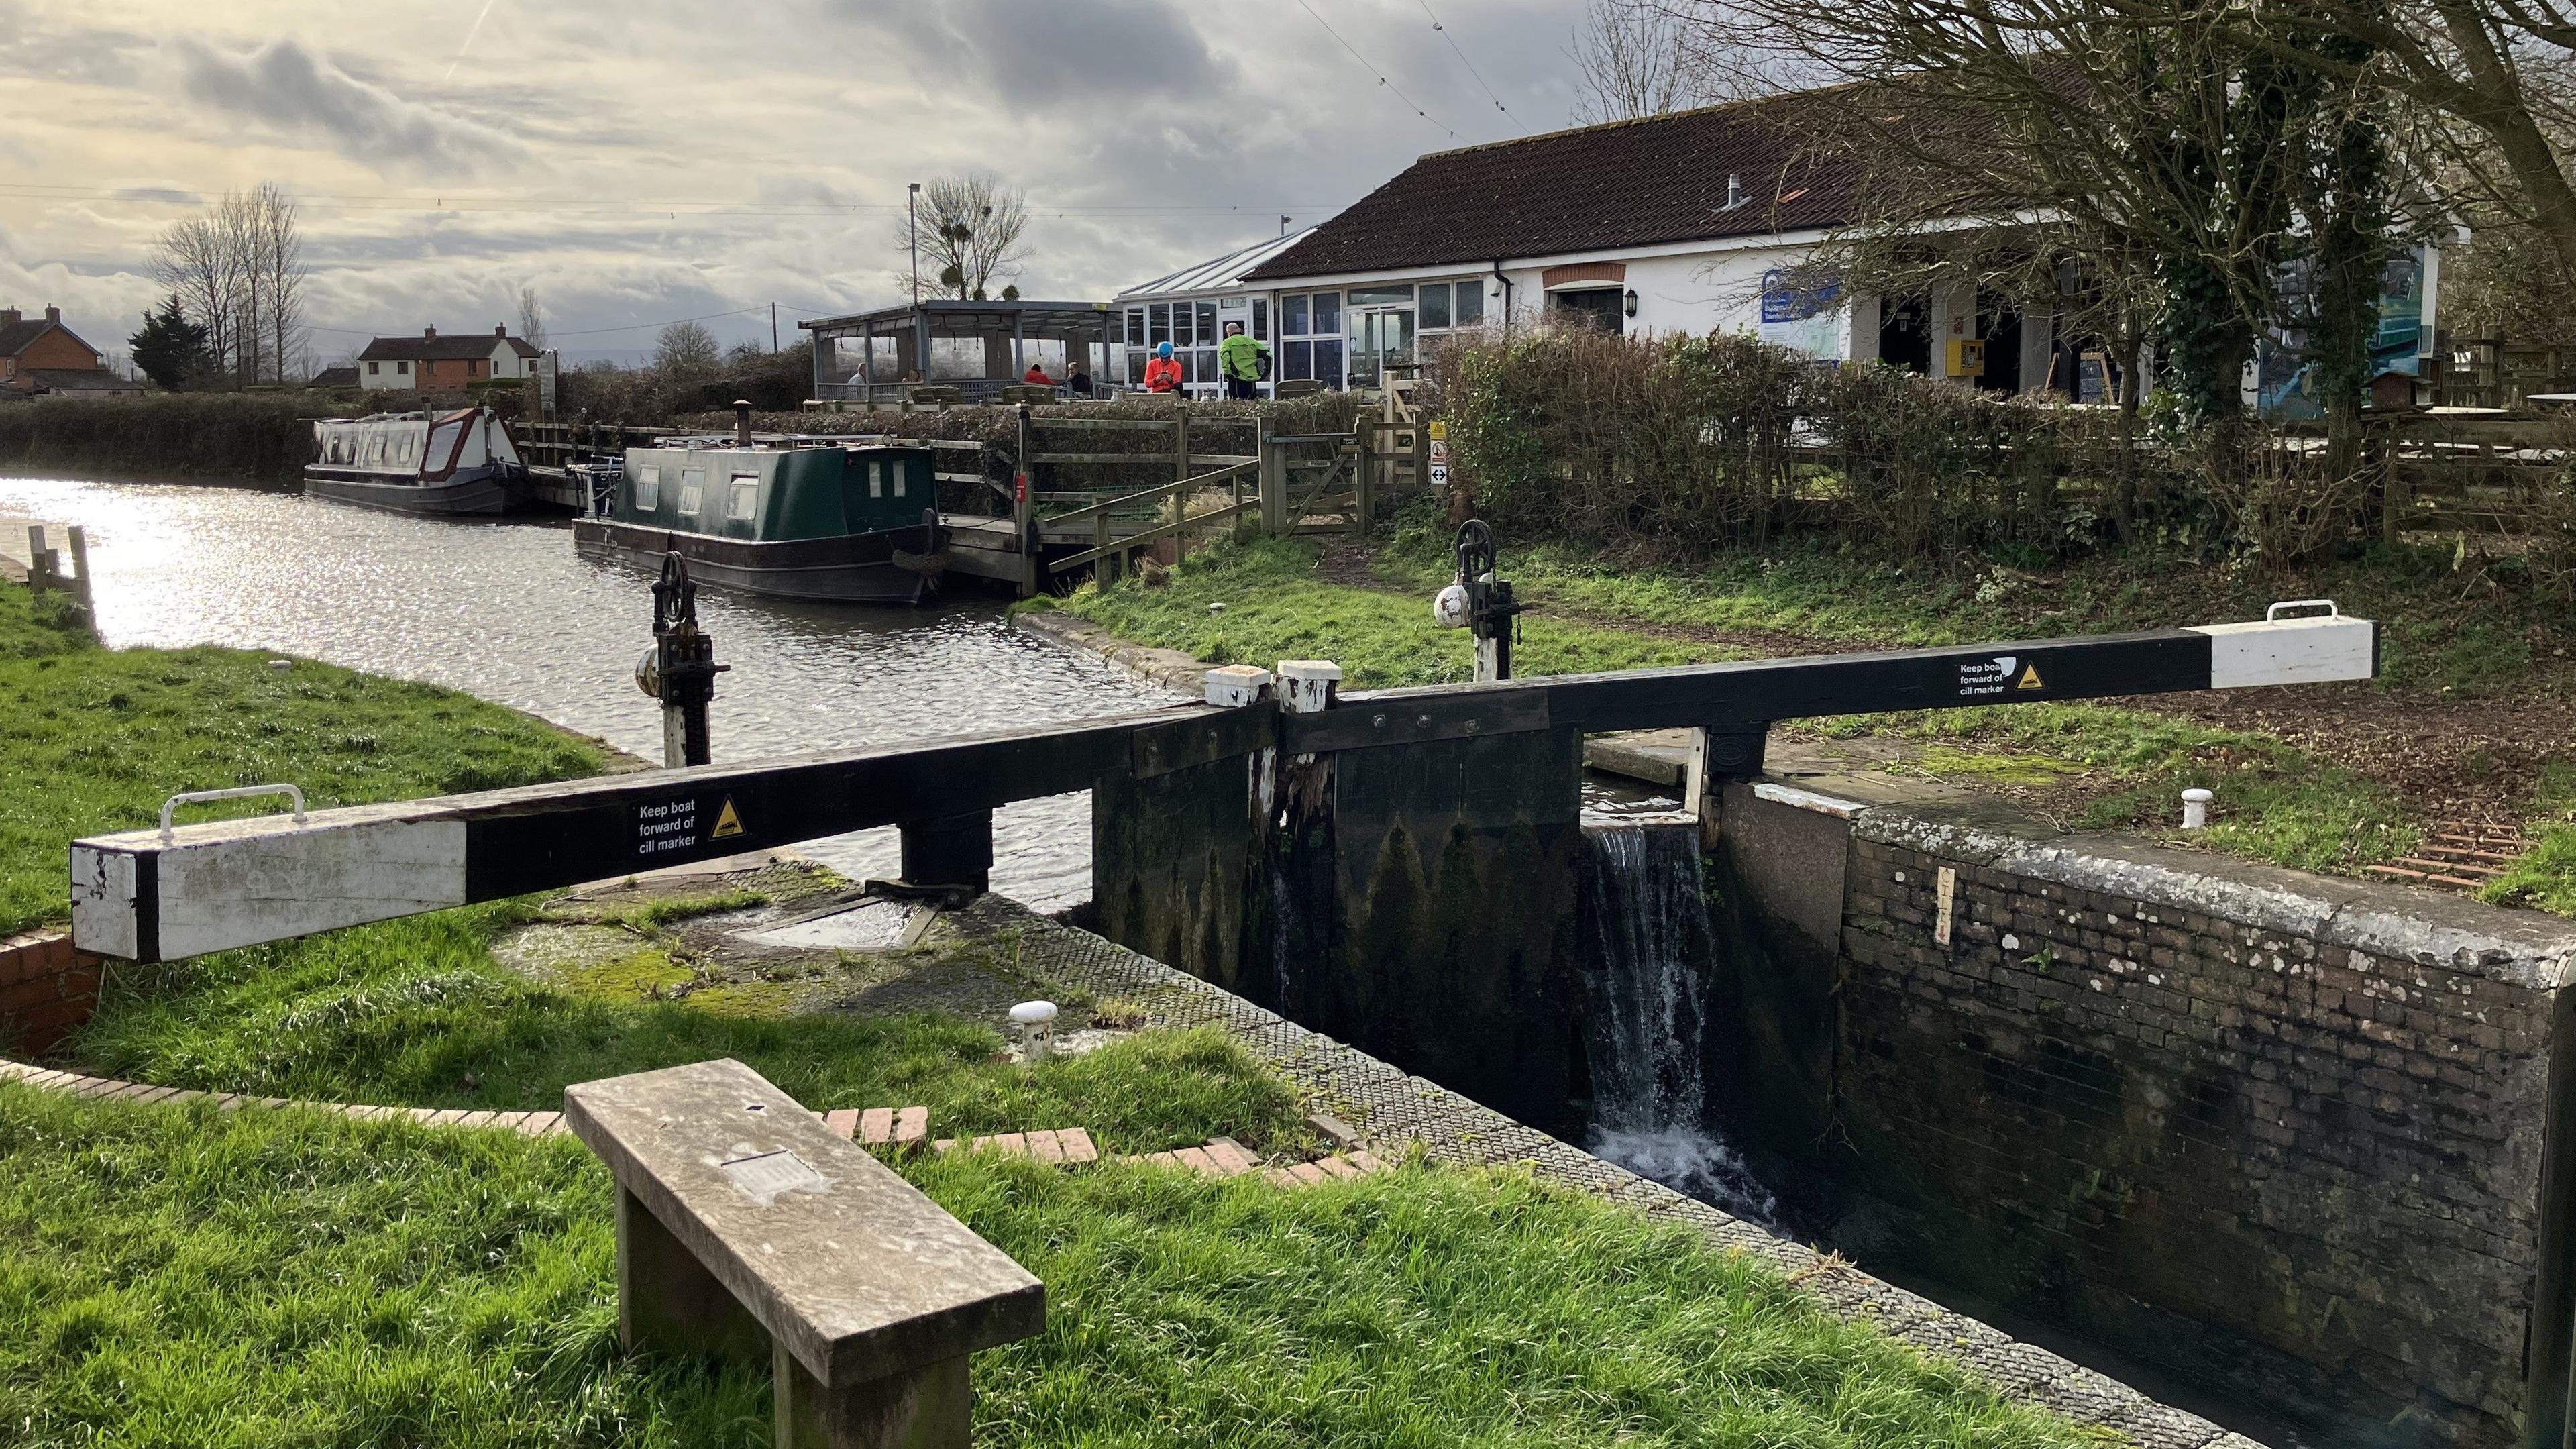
{"x": 1261, "y": 318}
{"x": 1292, "y": 315}
{"x": 1328, "y": 314}
{"x": 1136, "y": 367}
{"x": 876, "y": 479}
{"x": 1300, "y": 363}
{"x": 742, "y": 500}
{"x": 1328, "y": 363}
{"x": 894, "y": 471}
{"x": 1435, "y": 306}
{"x": 1381, "y": 296}
{"x": 1117, "y": 325}
{"x": 1471, "y": 304}
{"x": 648, "y": 486}
{"x": 1161, "y": 322}
{"x": 693, "y": 487}
{"x": 1207, "y": 324}
{"x": 1136, "y": 326}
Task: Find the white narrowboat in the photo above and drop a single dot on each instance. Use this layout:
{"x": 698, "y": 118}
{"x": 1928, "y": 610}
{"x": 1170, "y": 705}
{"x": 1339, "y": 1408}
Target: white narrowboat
{"x": 466, "y": 461}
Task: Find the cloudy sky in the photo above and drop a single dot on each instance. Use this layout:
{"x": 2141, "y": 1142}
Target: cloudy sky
{"x": 660, "y": 159}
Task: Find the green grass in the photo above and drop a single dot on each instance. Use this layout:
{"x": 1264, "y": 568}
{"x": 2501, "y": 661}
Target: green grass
{"x": 2546, "y": 877}
{"x": 193, "y": 1278}
{"x": 1276, "y": 607}
{"x": 2127, "y": 766}
{"x": 2445, "y": 629}
{"x": 417, "y": 1012}
{"x": 95, "y": 739}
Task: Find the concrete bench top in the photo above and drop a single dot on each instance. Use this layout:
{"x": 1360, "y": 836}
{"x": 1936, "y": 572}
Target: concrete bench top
{"x": 851, "y": 1269}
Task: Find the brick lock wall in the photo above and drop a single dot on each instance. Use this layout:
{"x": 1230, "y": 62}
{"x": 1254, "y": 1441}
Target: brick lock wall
{"x": 2302, "y": 1169}
{"x": 46, "y": 989}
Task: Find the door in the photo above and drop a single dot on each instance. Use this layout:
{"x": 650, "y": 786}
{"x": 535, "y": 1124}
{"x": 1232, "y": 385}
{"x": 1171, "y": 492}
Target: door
{"x": 1379, "y": 335}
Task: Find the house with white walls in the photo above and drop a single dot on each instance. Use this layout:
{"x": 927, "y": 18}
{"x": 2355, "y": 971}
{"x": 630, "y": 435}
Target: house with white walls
{"x": 1691, "y": 222}
{"x": 431, "y": 362}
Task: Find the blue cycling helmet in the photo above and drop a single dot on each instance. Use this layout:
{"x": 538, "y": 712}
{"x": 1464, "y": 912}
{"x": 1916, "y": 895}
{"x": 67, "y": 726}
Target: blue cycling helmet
{"x": 1163, "y": 349}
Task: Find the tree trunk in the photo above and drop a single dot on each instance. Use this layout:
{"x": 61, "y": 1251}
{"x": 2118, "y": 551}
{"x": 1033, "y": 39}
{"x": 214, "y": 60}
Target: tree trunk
{"x": 2492, "y": 102}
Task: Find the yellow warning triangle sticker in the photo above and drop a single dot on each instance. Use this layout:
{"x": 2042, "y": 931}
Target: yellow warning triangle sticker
{"x": 2029, "y": 680}
{"x": 727, "y": 822}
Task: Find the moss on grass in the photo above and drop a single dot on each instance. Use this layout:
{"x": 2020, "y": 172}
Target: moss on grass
{"x": 95, "y": 739}
{"x": 223, "y": 1280}
{"x": 417, "y": 1012}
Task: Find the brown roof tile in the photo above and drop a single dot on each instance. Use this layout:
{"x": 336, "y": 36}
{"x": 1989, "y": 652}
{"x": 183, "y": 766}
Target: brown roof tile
{"x": 1626, "y": 184}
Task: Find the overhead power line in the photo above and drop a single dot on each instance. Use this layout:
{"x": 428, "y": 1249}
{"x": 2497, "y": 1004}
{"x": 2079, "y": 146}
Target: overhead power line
{"x": 553, "y": 332}
{"x": 1471, "y": 68}
{"x": 603, "y": 206}
{"x": 1373, "y": 70}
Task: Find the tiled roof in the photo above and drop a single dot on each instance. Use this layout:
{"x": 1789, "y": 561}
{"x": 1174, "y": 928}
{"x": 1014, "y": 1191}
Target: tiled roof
{"x": 17, "y": 337}
{"x": 1594, "y": 188}
{"x": 336, "y": 377}
{"x": 79, "y": 379}
{"x": 440, "y": 349}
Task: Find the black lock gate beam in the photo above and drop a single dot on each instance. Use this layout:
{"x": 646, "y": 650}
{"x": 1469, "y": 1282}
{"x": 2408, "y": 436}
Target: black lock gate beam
{"x": 152, "y": 895}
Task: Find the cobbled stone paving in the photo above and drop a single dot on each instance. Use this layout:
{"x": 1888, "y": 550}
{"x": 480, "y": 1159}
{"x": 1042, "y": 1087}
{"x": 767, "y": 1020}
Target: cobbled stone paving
{"x": 1397, "y": 1110}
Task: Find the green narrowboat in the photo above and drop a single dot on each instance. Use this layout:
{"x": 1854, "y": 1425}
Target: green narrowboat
{"x": 842, "y": 522}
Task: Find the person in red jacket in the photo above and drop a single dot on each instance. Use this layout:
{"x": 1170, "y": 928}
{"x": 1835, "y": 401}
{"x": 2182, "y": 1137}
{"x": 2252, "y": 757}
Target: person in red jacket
{"x": 1163, "y": 374}
{"x": 1036, "y": 376}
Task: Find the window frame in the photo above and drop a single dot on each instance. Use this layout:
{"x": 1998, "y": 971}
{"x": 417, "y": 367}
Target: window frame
{"x": 736, "y": 485}
{"x": 693, "y": 491}
{"x": 646, "y": 496}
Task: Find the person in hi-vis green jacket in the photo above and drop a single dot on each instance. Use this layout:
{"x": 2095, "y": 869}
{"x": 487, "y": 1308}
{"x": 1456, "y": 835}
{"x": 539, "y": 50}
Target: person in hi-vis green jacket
{"x": 1243, "y": 360}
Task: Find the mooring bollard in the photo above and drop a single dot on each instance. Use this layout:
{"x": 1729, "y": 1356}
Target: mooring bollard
{"x": 1036, "y": 1020}
{"x": 2195, "y": 809}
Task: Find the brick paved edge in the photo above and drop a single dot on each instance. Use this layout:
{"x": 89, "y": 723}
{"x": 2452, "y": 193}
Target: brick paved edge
{"x": 1395, "y": 1109}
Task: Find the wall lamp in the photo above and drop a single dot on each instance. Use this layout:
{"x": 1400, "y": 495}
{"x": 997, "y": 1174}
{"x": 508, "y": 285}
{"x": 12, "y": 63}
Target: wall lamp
{"x": 1628, "y": 303}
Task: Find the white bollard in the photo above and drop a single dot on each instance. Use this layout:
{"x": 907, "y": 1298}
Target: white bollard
{"x": 1037, "y": 1029}
{"x": 1307, "y": 686}
{"x": 2195, "y": 809}
{"x": 1233, "y": 685}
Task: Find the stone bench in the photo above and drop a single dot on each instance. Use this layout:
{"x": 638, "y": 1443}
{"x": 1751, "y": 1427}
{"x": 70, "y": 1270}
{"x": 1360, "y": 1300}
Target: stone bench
{"x": 747, "y": 1227}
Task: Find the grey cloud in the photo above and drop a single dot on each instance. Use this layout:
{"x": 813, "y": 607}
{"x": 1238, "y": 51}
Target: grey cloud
{"x": 1103, "y": 52}
{"x": 31, "y": 46}
{"x": 291, "y": 88}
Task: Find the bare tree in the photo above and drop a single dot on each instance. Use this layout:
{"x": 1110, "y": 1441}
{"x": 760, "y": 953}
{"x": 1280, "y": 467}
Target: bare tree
{"x": 238, "y": 268}
{"x": 532, "y": 319}
{"x": 1635, "y": 62}
{"x": 193, "y": 258}
{"x": 685, "y": 349}
{"x": 278, "y": 252}
{"x": 971, "y": 231}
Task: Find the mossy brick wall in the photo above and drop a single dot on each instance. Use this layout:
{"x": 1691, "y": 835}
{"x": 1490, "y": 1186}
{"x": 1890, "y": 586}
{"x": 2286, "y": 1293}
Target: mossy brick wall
{"x": 46, "y": 989}
{"x": 2283, "y": 1162}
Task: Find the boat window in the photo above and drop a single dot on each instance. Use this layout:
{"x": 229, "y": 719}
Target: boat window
{"x": 894, "y": 470}
{"x": 742, "y": 500}
{"x": 648, "y": 486}
{"x": 375, "y": 448}
{"x": 876, "y": 479}
{"x": 693, "y": 486}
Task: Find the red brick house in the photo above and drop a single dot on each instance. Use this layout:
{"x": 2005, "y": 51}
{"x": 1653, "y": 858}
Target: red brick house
{"x": 41, "y": 355}
{"x": 430, "y": 361}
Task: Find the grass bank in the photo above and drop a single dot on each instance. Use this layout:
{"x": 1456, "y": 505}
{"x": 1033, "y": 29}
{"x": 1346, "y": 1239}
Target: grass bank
{"x": 235, "y": 1279}
{"x": 2096, "y": 765}
{"x": 95, "y": 739}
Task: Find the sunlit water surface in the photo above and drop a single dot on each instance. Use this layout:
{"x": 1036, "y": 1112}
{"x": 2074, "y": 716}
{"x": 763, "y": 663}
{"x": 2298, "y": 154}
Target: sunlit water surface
{"x": 504, "y": 610}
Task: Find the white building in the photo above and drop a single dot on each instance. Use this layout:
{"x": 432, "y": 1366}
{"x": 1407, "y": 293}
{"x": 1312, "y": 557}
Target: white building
{"x": 430, "y": 361}
{"x": 1679, "y": 223}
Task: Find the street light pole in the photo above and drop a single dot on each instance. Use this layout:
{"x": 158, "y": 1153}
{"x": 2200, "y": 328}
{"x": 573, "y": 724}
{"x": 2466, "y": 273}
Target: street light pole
{"x": 912, "y": 231}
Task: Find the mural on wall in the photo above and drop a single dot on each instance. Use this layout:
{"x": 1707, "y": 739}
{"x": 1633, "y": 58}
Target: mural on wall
{"x": 1802, "y": 312}
{"x": 2284, "y": 381}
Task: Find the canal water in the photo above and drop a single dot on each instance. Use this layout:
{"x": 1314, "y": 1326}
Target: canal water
{"x": 504, "y": 610}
